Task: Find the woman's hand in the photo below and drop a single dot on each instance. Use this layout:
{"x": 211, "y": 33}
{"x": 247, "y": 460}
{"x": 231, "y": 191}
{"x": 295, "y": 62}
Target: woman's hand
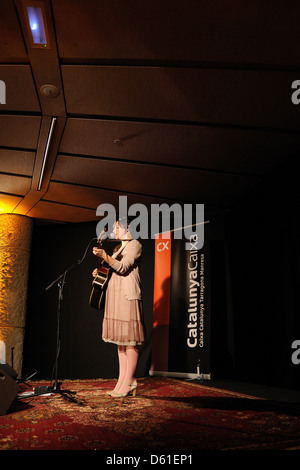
{"x": 98, "y": 252}
{"x": 102, "y": 254}
{"x": 95, "y": 272}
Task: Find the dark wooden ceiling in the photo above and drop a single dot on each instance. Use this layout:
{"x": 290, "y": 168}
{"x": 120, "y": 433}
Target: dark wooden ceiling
{"x": 160, "y": 100}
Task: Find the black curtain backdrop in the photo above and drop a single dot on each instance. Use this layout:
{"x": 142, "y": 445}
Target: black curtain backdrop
{"x": 263, "y": 239}
{"x": 82, "y": 354}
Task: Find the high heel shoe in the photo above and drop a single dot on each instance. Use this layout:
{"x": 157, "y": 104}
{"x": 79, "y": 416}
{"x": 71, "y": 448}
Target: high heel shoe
{"x": 111, "y": 393}
{"x": 133, "y": 389}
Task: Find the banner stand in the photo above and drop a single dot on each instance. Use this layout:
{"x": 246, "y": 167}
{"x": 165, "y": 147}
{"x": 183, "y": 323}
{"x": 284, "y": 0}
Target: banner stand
{"x": 180, "y": 375}
{"x": 181, "y": 309}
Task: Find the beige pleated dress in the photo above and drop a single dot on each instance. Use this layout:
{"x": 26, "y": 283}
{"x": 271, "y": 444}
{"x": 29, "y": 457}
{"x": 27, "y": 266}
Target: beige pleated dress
{"x": 123, "y": 314}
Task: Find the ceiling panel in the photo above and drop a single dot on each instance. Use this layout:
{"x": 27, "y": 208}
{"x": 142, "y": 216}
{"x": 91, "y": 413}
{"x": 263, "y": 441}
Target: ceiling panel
{"x": 17, "y": 162}
{"x": 196, "y": 146}
{"x": 12, "y": 46}
{"x": 151, "y": 179}
{"x": 61, "y": 213}
{"x": 20, "y": 89}
{"x": 90, "y": 197}
{"x": 234, "y": 32}
{"x": 8, "y": 202}
{"x": 14, "y": 184}
{"x": 19, "y": 131}
{"x": 236, "y": 97}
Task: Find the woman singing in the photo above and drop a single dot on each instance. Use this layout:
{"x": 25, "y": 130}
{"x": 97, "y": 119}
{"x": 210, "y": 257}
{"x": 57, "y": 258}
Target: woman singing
{"x": 123, "y": 316}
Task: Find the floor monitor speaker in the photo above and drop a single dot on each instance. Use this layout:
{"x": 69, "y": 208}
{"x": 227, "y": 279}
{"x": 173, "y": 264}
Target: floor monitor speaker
{"x": 8, "y": 387}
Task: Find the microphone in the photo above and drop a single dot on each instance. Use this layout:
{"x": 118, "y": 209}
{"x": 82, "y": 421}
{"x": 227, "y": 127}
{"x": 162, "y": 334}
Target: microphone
{"x": 101, "y": 236}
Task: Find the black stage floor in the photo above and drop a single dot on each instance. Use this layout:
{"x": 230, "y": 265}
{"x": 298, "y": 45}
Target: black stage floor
{"x": 267, "y": 392}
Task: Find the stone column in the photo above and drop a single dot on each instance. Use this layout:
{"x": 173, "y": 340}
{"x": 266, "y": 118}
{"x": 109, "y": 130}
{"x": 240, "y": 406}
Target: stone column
{"x": 15, "y": 244}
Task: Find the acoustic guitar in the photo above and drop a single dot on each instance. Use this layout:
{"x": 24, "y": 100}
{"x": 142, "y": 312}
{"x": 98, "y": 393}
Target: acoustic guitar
{"x": 99, "y": 285}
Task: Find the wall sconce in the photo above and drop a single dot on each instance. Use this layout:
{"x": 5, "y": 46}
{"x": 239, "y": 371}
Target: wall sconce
{"x": 36, "y": 23}
{"x": 4, "y": 208}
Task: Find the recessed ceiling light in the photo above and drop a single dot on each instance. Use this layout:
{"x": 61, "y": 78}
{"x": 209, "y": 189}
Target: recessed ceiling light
{"x": 36, "y": 23}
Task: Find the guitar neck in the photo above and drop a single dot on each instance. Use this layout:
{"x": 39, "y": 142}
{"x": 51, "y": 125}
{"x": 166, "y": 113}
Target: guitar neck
{"x": 99, "y": 261}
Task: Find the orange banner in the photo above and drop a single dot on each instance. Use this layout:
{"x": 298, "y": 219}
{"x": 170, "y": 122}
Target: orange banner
{"x": 161, "y": 303}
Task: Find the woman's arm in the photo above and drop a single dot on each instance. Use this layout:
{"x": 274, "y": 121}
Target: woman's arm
{"x": 102, "y": 254}
{"x": 133, "y": 252}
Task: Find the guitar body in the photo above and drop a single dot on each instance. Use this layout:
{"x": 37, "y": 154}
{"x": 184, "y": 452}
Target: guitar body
{"x": 100, "y": 282}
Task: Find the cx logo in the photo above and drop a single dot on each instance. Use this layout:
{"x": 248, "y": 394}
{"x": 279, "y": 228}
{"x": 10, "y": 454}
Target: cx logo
{"x": 162, "y": 246}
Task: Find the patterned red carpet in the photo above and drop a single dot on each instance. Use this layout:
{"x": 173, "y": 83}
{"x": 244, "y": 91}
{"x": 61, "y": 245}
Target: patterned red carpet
{"x": 166, "y": 414}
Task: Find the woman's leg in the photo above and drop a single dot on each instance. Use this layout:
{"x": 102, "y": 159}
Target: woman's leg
{"x": 122, "y": 367}
{"x": 132, "y": 354}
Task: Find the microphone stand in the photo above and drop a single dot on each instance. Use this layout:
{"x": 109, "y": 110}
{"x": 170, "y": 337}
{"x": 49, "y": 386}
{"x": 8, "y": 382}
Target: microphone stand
{"x": 55, "y": 388}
